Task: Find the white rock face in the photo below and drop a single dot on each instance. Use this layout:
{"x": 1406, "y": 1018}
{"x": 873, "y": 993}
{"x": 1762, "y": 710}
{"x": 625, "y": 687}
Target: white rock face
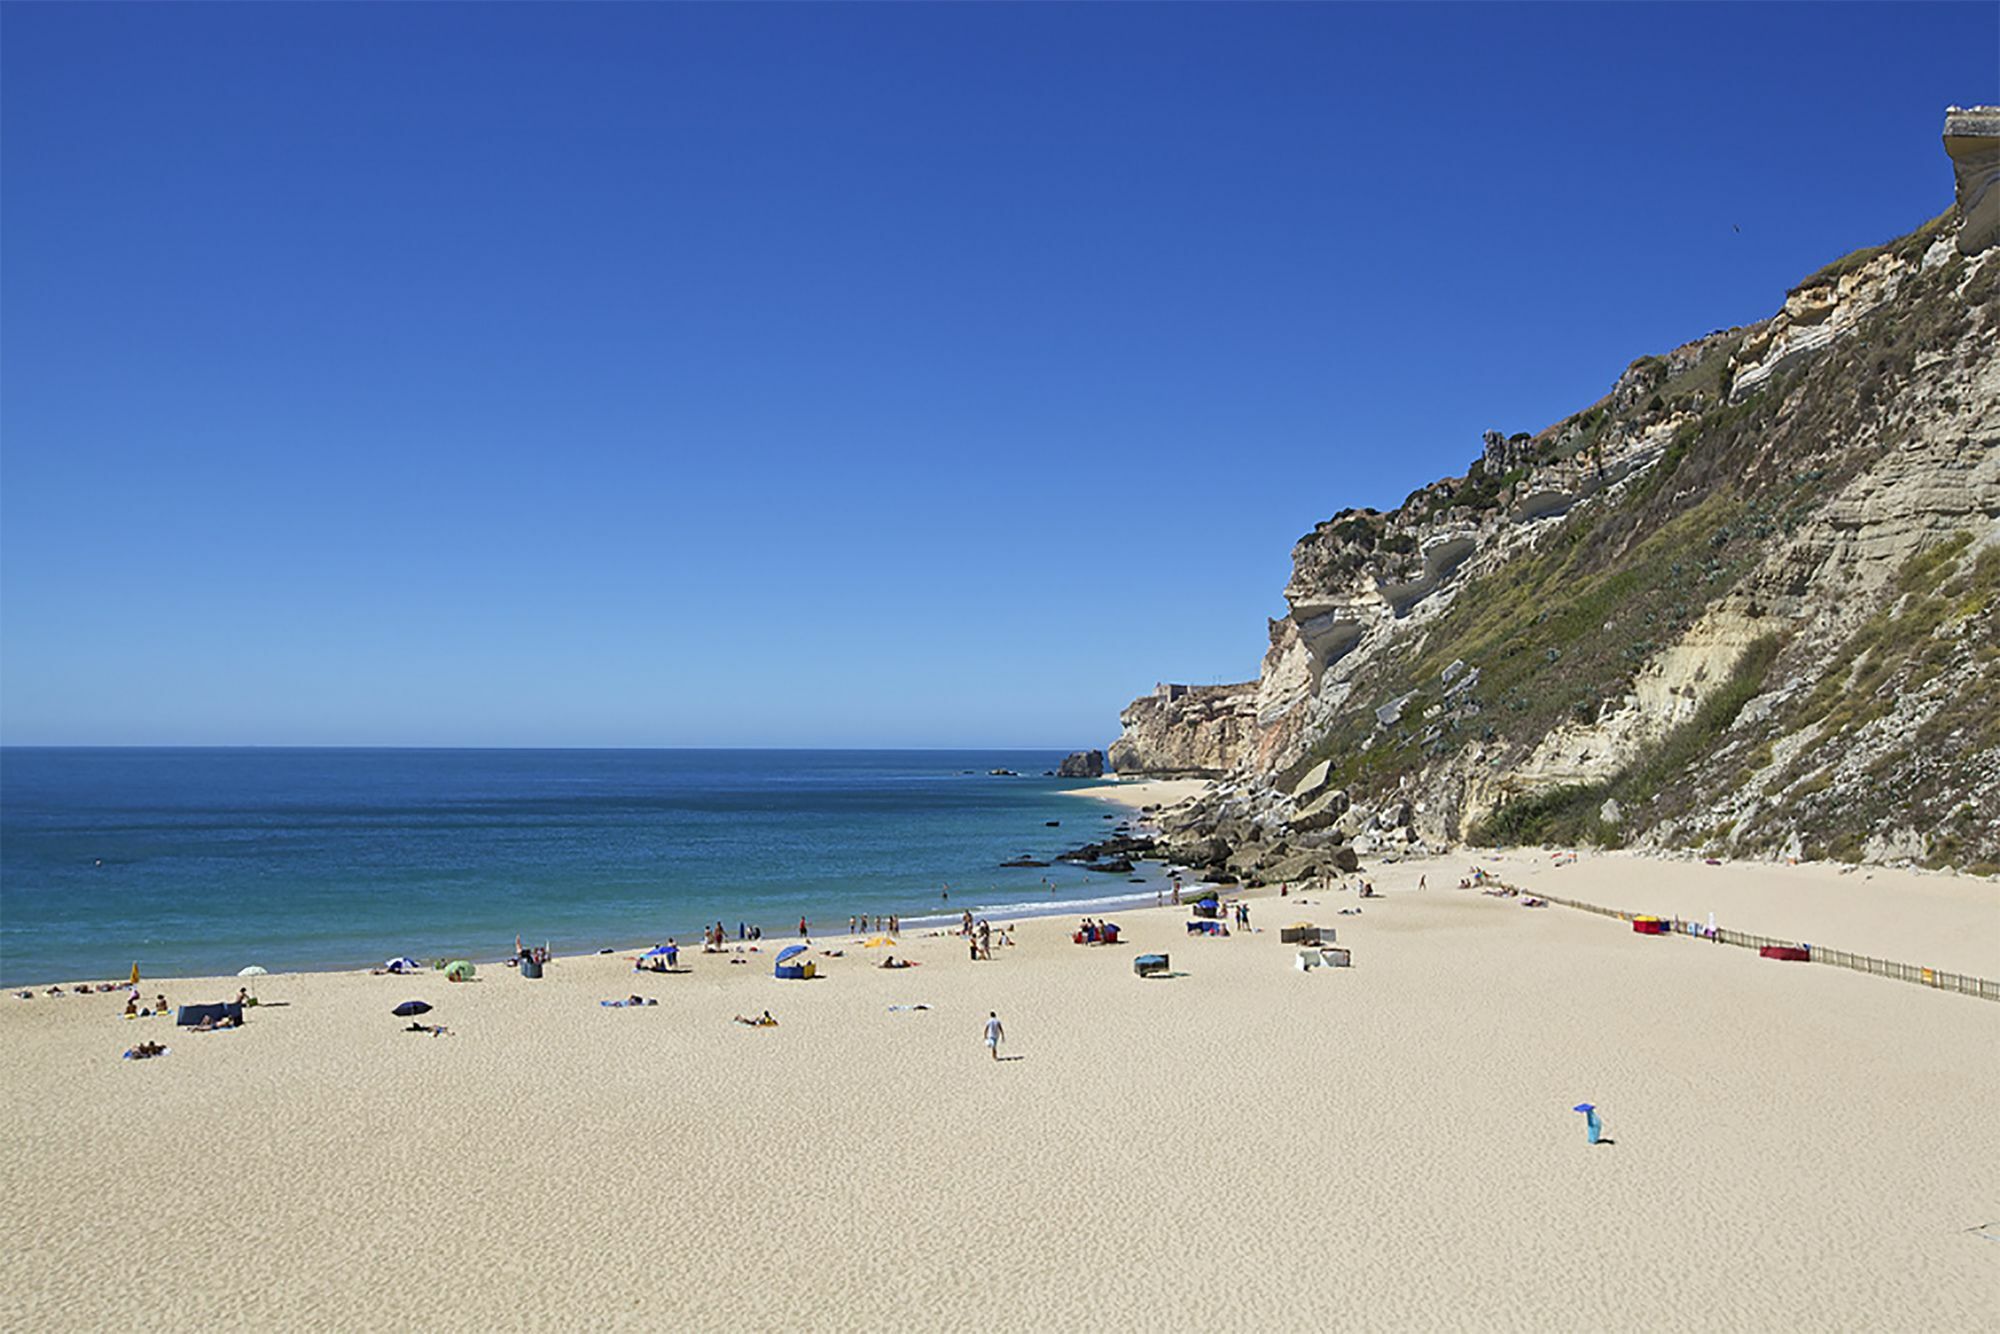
{"x": 1812, "y": 319}
{"x": 1912, "y": 443}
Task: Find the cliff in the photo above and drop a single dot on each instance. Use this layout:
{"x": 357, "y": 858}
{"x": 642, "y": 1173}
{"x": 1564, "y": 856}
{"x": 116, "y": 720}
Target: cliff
{"x": 1186, "y": 731}
{"x": 1745, "y": 602}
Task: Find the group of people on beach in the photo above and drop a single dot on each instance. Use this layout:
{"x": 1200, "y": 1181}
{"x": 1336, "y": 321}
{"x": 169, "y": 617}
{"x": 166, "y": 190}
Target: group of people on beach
{"x": 80, "y": 989}
{"x": 715, "y": 939}
{"x": 890, "y": 923}
{"x": 979, "y": 937}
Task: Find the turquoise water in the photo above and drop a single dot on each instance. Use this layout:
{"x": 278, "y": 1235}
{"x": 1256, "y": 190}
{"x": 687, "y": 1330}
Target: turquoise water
{"x": 204, "y": 861}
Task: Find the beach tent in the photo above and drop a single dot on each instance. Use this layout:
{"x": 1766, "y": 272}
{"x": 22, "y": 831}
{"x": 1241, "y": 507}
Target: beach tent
{"x": 1208, "y": 907}
{"x": 403, "y": 965}
{"x": 790, "y": 966}
{"x": 252, "y": 971}
{"x": 1649, "y": 926}
{"x": 459, "y": 970}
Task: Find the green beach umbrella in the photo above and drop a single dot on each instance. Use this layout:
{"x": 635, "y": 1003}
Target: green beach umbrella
{"x": 460, "y": 970}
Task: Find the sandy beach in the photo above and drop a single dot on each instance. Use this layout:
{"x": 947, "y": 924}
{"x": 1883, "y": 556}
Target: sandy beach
{"x": 1239, "y": 1145}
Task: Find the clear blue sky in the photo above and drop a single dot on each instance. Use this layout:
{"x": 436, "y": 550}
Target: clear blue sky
{"x": 871, "y": 375}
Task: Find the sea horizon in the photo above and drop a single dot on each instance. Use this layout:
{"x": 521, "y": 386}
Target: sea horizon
{"x": 204, "y": 860}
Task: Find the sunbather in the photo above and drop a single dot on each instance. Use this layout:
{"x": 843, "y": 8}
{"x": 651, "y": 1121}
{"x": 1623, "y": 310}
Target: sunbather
{"x": 763, "y": 1020}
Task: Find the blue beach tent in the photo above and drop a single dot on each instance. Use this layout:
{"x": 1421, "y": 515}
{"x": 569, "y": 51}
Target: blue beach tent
{"x": 1593, "y": 1124}
{"x": 791, "y": 966}
{"x": 190, "y": 1015}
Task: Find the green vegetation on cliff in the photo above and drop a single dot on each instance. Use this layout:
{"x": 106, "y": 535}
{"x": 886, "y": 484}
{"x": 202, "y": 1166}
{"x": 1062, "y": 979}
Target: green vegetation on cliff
{"x": 1557, "y": 632}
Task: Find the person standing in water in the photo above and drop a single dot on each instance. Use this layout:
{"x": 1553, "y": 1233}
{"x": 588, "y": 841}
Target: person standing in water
{"x": 994, "y": 1033}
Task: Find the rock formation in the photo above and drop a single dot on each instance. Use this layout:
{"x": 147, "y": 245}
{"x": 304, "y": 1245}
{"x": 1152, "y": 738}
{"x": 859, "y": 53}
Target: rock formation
{"x": 1749, "y": 601}
{"x": 1082, "y": 764}
{"x": 1186, "y": 731}
{"x": 1972, "y": 137}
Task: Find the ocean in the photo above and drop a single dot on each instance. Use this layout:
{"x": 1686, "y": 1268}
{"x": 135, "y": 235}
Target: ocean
{"x": 204, "y": 861}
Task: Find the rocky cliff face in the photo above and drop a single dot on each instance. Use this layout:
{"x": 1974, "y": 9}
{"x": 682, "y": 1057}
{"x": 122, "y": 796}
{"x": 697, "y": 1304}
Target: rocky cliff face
{"x": 1747, "y": 601}
{"x": 1972, "y": 137}
{"x": 1186, "y": 731}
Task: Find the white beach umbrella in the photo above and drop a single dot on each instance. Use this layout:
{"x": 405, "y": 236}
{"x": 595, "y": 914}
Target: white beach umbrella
{"x": 252, "y": 971}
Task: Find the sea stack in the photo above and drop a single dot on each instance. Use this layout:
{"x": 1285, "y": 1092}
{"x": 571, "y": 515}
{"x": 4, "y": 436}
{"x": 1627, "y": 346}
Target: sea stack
{"x": 1082, "y": 764}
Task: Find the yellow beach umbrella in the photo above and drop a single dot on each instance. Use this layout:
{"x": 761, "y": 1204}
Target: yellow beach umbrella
{"x": 135, "y": 972}
{"x": 878, "y": 942}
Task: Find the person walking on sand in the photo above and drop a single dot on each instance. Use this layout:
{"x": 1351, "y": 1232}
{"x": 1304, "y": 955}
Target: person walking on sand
{"x": 994, "y": 1033}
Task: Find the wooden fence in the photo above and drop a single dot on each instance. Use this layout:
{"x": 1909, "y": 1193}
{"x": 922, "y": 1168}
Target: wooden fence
{"x": 1962, "y": 983}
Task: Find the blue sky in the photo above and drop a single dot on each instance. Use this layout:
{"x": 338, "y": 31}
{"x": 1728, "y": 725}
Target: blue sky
{"x": 866, "y": 375}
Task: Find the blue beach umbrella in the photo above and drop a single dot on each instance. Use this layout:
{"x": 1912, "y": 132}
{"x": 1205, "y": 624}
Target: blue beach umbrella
{"x": 790, "y": 951}
{"x": 409, "y": 1008}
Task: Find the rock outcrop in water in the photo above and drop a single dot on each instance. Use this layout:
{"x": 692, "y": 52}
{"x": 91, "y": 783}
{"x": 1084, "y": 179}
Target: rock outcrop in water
{"x": 1082, "y": 764}
{"x": 1746, "y": 602}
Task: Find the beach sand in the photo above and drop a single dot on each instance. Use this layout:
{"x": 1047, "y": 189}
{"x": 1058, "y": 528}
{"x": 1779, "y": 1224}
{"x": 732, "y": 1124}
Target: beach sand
{"x": 1240, "y": 1145}
{"x": 1138, "y": 792}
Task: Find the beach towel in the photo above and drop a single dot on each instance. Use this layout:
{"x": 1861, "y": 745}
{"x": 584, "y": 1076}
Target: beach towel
{"x": 626, "y": 1004}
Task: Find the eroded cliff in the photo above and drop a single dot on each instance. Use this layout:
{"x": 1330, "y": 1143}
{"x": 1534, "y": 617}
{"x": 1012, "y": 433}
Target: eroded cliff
{"x": 1745, "y": 602}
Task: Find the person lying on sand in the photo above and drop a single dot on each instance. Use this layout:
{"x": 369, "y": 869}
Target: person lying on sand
{"x": 144, "y": 1050}
{"x": 763, "y": 1020}
{"x": 435, "y": 1030}
{"x": 893, "y": 962}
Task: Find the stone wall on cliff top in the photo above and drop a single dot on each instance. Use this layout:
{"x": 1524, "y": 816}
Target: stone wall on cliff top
{"x": 1805, "y": 477}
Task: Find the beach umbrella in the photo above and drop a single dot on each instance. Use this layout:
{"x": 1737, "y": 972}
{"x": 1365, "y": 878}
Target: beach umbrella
{"x": 459, "y": 969}
{"x": 790, "y": 951}
{"x": 252, "y": 971}
{"x": 135, "y": 973}
{"x": 878, "y": 942}
{"x": 654, "y": 952}
{"x": 409, "y": 1009}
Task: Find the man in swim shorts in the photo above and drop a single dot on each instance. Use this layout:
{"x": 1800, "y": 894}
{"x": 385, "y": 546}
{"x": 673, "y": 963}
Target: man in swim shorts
{"x": 994, "y": 1033}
